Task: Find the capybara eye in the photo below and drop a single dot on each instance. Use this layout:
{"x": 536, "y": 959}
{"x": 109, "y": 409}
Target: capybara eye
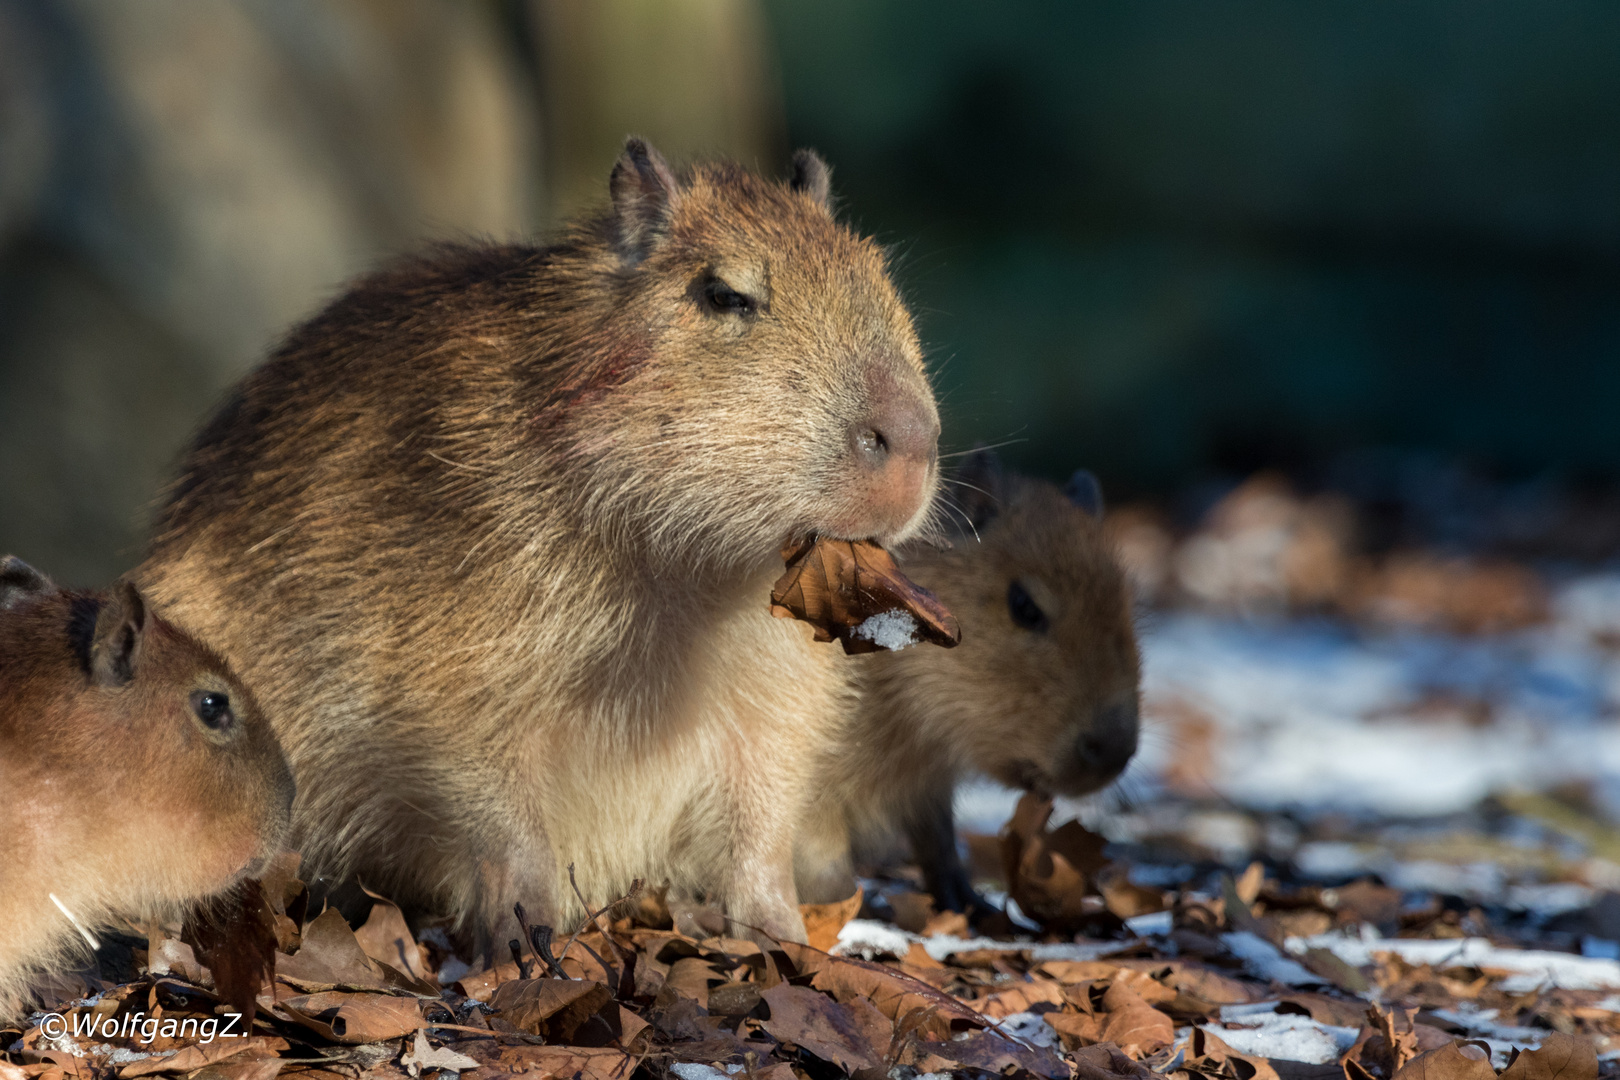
{"x": 1025, "y": 611}
{"x": 723, "y": 297}
{"x": 213, "y": 709}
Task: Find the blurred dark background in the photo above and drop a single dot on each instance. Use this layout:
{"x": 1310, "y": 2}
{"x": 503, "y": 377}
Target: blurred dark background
{"x": 1174, "y": 241}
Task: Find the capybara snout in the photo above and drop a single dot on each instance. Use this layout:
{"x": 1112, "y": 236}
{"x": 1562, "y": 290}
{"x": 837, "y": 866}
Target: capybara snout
{"x": 893, "y": 452}
{"x": 1103, "y": 743}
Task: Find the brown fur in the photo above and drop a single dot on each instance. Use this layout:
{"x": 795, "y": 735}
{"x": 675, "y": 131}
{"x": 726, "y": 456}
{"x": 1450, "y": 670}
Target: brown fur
{"x": 1053, "y": 709}
{"x": 508, "y": 518}
{"x": 118, "y": 798}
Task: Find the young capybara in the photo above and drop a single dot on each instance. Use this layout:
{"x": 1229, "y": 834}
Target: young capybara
{"x": 493, "y": 538}
{"x": 1042, "y": 694}
{"x": 138, "y": 773}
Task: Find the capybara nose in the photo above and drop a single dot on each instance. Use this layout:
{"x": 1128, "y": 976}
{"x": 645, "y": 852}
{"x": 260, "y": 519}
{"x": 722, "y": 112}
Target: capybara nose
{"x": 1107, "y": 746}
{"x": 895, "y": 447}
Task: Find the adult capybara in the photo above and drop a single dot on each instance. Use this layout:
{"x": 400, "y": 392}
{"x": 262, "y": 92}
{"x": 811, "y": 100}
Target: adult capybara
{"x": 493, "y": 538}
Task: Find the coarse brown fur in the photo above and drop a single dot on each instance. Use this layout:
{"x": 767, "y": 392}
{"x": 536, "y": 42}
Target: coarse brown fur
{"x": 1050, "y": 705}
{"x": 507, "y": 519}
{"x": 119, "y": 800}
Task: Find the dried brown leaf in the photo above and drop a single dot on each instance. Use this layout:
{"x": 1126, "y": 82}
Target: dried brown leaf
{"x": 554, "y": 1008}
{"x": 837, "y": 585}
{"x": 1454, "y": 1062}
{"x": 1560, "y": 1057}
{"x": 331, "y": 958}
{"x": 1047, "y": 871}
{"x": 235, "y": 936}
{"x": 990, "y": 1051}
{"x": 1208, "y": 1055}
{"x": 824, "y": 1027}
{"x": 894, "y": 993}
{"x": 197, "y": 1055}
{"x": 823, "y": 921}
{"x": 352, "y": 1018}
{"x": 1104, "y": 1061}
{"x": 388, "y": 940}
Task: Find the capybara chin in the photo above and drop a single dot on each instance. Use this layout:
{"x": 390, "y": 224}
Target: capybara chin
{"x": 138, "y": 773}
{"x": 1041, "y": 694}
{"x": 493, "y": 537}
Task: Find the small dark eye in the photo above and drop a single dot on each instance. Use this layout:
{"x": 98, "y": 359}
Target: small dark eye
{"x": 1025, "y": 611}
{"x": 723, "y": 297}
{"x": 213, "y": 709}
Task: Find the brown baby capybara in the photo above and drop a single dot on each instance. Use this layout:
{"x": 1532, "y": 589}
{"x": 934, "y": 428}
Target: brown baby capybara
{"x": 493, "y": 538}
{"x": 1042, "y": 694}
{"x": 138, "y": 773}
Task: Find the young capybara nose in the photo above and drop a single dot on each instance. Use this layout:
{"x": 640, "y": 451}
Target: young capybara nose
{"x": 1103, "y": 749}
{"x": 895, "y": 447}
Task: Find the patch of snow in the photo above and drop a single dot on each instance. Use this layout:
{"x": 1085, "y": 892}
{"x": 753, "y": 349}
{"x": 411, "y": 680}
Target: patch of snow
{"x": 1158, "y": 924}
{"x": 1479, "y": 879}
{"x": 1503, "y": 1039}
{"x": 120, "y": 1055}
{"x": 1545, "y": 901}
{"x": 869, "y": 939}
{"x": 1029, "y": 1028}
{"x": 1484, "y": 1022}
{"x": 893, "y": 629}
{"x": 942, "y": 945}
{"x": 1532, "y": 969}
{"x": 1264, "y": 1032}
{"x": 1264, "y": 960}
{"x": 1315, "y": 714}
{"x": 453, "y": 970}
{"x": 692, "y": 1070}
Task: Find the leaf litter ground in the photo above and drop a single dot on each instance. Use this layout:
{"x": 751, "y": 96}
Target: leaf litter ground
{"x": 1120, "y": 980}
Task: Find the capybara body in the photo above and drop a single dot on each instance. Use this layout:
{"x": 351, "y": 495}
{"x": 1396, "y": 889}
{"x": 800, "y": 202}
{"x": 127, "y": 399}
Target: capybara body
{"x": 1042, "y": 693}
{"x": 138, "y": 772}
{"x": 507, "y": 518}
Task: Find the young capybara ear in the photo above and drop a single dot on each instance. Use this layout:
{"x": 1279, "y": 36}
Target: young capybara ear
{"x": 981, "y": 486}
{"x": 812, "y": 177}
{"x": 644, "y": 195}
{"x": 116, "y": 646}
{"x": 1085, "y": 491}
{"x": 20, "y": 582}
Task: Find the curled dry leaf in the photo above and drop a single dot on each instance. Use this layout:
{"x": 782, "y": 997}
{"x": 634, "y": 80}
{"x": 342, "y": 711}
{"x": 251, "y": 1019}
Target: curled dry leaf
{"x": 829, "y": 1030}
{"x": 852, "y": 590}
{"x": 235, "y": 936}
{"x": 823, "y": 921}
{"x": 1455, "y": 1061}
{"x": 554, "y": 1008}
{"x": 1048, "y": 871}
{"x": 1560, "y": 1057}
{"x": 351, "y": 1018}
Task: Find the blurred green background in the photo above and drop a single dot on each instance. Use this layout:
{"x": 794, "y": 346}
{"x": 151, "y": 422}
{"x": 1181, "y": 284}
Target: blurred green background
{"x": 1167, "y": 239}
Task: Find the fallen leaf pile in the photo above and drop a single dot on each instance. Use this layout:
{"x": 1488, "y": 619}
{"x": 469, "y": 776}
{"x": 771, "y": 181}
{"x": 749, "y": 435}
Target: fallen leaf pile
{"x": 1188, "y": 1000}
{"x": 854, "y": 592}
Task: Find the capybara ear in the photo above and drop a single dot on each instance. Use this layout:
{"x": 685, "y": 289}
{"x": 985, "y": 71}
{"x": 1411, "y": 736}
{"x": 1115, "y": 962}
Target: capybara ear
{"x": 980, "y": 487}
{"x": 812, "y": 176}
{"x": 644, "y": 195}
{"x": 20, "y": 582}
{"x": 1085, "y": 491}
{"x": 115, "y": 649}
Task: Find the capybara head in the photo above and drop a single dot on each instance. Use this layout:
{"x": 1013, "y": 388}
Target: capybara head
{"x": 1043, "y": 691}
{"x": 764, "y": 370}
{"x": 131, "y": 749}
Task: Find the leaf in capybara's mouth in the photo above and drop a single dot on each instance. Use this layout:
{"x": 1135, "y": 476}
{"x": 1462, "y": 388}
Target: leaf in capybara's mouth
{"x": 853, "y": 591}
